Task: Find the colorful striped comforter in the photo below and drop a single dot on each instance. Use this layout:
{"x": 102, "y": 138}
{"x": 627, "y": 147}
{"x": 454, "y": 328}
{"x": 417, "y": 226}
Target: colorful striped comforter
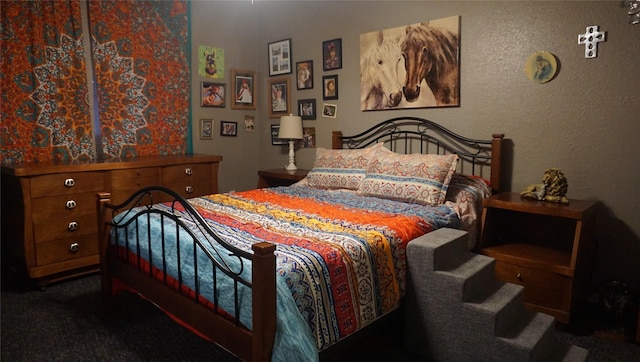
{"x": 340, "y": 256}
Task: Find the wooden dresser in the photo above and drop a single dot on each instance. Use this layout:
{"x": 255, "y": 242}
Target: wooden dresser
{"x": 49, "y": 215}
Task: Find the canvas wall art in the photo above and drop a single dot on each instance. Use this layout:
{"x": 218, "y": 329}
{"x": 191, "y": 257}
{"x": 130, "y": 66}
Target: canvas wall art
{"x": 411, "y": 66}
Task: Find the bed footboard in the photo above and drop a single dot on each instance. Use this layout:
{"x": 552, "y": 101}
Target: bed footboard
{"x": 172, "y": 295}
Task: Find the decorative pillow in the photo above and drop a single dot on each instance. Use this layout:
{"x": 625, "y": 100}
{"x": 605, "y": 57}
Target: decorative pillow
{"x": 341, "y": 169}
{"x": 416, "y": 178}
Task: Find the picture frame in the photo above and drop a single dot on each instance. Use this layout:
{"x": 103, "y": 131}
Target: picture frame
{"x": 307, "y": 109}
{"x": 279, "y": 53}
{"x": 275, "y": 129}
{"x": 308, "y": 137}
{"x": 330, "y": 87}
{"x": 279, "y": 97}
{"x": 206, "y": 129}
{"x": 243, "y": 89}
{"x": 212, "y": 94}
{"x": 304, "y": 74}
{"x": 249, "y": 124}
{"x": 332, "y": 54}
{"x": 329, "y": 110}
{"x": 228, "y": 129}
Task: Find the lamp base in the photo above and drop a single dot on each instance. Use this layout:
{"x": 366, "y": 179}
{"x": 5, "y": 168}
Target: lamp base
{"x": 292, "y": 157}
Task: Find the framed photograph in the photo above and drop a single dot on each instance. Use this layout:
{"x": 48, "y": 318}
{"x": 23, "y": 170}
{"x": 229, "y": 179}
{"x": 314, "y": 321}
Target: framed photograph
{"x": 275, "y": 129}
{"x": 329, "y": 110}
{"x": 280, "y": 57}
{"x": 279, "y": 97}
{"x": 304, "y": 74}
{"x": 332, "y": 54}
{"x": 249, "y": 125}
{"x": 243, "y": 88}
{"x": 308, "y": 137}
{"x": 229, "y": 129}
{"x": 212, "y": 94}
{"x": 307, "y": 109}
{"x": 330, "y": 87}
{"x": 206, "y": 129}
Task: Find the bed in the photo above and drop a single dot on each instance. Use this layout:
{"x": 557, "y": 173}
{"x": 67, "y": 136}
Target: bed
{"x": 287, "y": 273}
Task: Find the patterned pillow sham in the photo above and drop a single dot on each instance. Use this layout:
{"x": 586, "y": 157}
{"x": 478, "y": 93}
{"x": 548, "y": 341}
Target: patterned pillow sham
{"x": 414, "y": 178}
{"x": 341, "y": 169}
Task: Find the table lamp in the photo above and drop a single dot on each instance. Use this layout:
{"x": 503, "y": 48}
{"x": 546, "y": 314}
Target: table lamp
{"x": 291, "y": 130}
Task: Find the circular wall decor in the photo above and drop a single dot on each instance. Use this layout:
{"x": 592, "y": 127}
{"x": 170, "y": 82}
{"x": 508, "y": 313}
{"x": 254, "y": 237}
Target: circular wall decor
{"x": 541, "y": 67}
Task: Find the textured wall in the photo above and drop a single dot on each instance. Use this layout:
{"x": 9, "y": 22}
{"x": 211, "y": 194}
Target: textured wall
{"x": 585, "y": 121}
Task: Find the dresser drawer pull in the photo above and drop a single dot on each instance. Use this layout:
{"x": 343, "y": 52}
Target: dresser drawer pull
{"x": 74, "y": 248}
{"x": 188, "y": 171}
{"x": 69, "y": 182}
{"x": 73, "y": 226}
{"x": 71, "y": 204}
{"x": 519, "y": 276}
{"x": 189, "y": 189}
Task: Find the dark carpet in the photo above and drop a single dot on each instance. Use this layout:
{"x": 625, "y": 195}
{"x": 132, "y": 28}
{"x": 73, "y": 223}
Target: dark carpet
{"x": 66, "y": 322}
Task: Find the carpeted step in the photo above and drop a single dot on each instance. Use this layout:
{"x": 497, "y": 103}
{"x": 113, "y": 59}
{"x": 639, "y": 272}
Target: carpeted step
{"x": 502, "y": 310}
{"x": 469, "y": 280}
{"x": 534, "y": 342}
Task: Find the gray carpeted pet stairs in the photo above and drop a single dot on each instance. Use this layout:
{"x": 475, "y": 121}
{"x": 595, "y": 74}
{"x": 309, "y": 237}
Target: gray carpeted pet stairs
{"x": 456, "y": 310}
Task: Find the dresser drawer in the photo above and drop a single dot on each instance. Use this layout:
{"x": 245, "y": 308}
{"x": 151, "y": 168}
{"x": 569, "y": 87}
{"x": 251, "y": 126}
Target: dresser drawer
{"x": 173, "y": 174}
{"x": 66, "y": 183}
{"x": 63, "y": 207}
{"x": 124, "y": 177}
{"x": 191, "y": 189}
{"x": 540, "y": 287}
{"x": 66, "y": 249}
{"x": 65, "y": 227}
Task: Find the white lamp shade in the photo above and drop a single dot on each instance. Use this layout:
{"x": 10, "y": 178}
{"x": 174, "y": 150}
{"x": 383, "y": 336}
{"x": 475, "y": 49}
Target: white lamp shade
{"x": 290, "y": 128}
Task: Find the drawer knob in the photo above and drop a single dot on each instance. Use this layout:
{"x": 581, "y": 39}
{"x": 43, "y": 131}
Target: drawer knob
{"x": 74, "y": 248}
{"x": 73, "y": 226}
{"x": 189, "y": 189}
{"x": 71, "y": 204}
{"x": 69, "y": 182}
{"x": 519, "y": 276}
{"x": 188, "y": 171}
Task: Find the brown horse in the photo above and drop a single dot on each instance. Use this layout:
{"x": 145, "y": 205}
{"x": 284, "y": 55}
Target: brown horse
{"x": 431, "y": 54}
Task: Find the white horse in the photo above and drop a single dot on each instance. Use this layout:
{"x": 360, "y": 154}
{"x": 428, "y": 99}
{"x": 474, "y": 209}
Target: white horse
{"x": 379, "y": 85}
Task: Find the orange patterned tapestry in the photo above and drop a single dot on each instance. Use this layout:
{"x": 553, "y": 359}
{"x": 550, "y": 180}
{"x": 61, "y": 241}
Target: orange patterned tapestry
{"x": 45, "y": 109}
{"x": 140, "y": 52}
{"x": 141, "y": 71}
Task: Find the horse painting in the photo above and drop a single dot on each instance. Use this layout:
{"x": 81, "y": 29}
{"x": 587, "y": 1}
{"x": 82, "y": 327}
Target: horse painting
{"x": 431, "y": 54}
{"x": 380, "y": 87}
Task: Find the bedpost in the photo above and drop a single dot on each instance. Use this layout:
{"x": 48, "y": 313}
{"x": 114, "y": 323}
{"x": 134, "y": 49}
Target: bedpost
{"x": 103, "y": 246}
{"x": 336, "y": 140}
{"x": 496, "y": 161}
{"x": 264, "y": 300}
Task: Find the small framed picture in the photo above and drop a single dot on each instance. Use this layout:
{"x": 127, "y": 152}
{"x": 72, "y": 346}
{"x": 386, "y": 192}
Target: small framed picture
{"x": 228, "y": 129}
{"x": 332, "y": 54}
{"x": 243, "y": 88}
{"x": 249, "y": 125}
{"x": 275, "y": 129}
{"x": 330, "y": 87}
{"x": 308, "y": 137}
{"x": 329, "y": 110}
{"x": 280, "y": 57}
{"x": 206, "y": 129}
{"x": 212, "y": 94}
{"x": 307, "y": 109}
{"x": 304, "y": 74}
{"x": 279, "y": 97}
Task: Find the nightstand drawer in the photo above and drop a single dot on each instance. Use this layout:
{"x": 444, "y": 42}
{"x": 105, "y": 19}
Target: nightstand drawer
{"x": 541, "y": 287}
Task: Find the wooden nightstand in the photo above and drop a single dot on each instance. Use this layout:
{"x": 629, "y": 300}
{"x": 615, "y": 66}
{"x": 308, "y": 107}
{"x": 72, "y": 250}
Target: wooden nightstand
{"x": 279, "y": 177}
{"x": 547, "y": 247}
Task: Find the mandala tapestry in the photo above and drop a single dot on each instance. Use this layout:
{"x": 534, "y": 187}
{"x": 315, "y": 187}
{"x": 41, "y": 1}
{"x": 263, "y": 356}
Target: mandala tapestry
{"x": 45, "y": 110}
{"x": 140, "y": 52}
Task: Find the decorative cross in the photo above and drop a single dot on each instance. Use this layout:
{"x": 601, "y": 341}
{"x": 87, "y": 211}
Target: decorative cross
{"x": 590, "y": 39}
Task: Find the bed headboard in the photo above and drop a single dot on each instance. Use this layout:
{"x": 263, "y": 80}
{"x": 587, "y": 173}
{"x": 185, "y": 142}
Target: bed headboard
{"x": 417, "y": 135}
